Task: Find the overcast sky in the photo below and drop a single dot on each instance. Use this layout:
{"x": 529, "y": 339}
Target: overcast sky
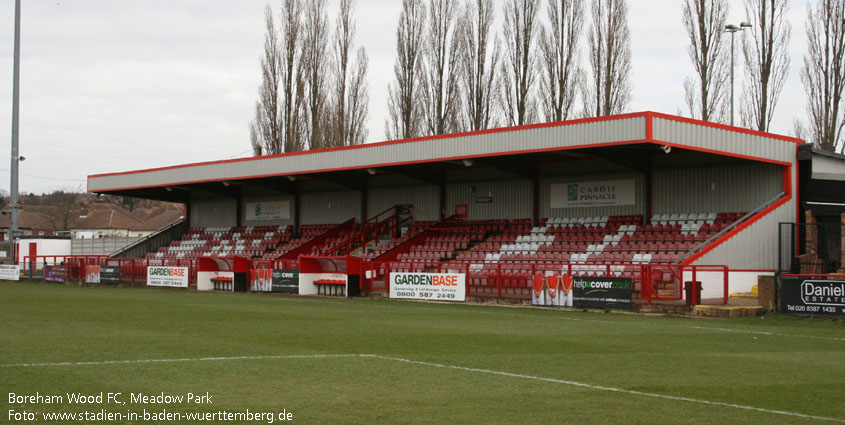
{"x": 113, "y": 86}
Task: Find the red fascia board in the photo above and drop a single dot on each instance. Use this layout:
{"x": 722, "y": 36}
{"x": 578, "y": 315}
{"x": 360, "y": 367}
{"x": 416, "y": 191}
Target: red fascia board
{"x": 392, "y": 142}
{"x": 327, "y": 170}
{"x": 596, "y": 145}
{"x": 724, "y": 127}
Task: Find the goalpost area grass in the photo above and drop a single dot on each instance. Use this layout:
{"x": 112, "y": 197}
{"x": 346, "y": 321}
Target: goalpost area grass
{"x": 410, "y": 362}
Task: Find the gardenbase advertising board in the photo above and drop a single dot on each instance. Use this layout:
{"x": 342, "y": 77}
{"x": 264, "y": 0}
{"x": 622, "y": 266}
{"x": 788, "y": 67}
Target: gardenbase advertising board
{"x": 10, "y": 272}
{"x": 582, "y": 291}
{"x": 428, "y": 286}
{"x": 172, "y": 277}
{"x": 816, "y": 297}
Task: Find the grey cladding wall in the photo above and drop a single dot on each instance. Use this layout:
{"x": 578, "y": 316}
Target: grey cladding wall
{"x": 510, "y": 199}
{"x": 724, "y": 140}
{"x": 755, "y": 247}
{"x": 424, "y": 198}
{"x": 330, "y": 207}
{"x": 730, "y": 188}
{"x": 213, "y": 212}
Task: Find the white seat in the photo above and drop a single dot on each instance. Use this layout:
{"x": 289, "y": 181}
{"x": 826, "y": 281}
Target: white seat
{"x": 616, "y": 239}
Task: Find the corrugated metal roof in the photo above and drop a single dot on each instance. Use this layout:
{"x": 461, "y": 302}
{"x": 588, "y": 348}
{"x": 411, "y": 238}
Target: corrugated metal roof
{"x": 621, "y": 129}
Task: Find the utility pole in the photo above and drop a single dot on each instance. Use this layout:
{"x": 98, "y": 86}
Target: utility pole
{"x": 733, "y": 29}
{"x": 16, "y": 99}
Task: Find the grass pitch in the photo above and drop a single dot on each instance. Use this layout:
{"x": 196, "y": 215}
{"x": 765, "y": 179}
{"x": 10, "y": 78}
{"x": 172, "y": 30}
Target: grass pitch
{"x": 381, "y": 361}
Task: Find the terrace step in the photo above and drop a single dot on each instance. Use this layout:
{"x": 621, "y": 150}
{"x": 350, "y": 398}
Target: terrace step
{"x": 725, "y": 311}
{"x": 745, "y": 296}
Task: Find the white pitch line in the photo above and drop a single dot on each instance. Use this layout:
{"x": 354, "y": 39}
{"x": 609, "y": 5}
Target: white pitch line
{"x": 196, "y": 359}
{"x": 611, "y": 389}
{"x": 622, "y": 322}
{"x": 828, "y": 338}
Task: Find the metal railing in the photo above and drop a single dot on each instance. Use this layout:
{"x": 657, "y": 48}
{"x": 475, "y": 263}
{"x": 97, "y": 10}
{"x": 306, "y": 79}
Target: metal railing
{"x": 695, "y": 284}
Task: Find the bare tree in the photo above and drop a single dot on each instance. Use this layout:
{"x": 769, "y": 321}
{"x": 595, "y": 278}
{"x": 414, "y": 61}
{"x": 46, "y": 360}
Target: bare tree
{"x": 265, "y": 128}
{"x": 62, "y": 208}
{"x": 442, "y": 56}
{"x": 766, "y": 56}
{"x": 358, "y": 100}
{"x": 343, "y": 130}
{"x": 561, "y": 69}
{"x": 608, "y": 89}
{"x": 316, "y": 67}
{"x": 478, "y": 68}
{"x": 405, "y": 120}
{"x": 293, "y": 85}
{"x": 823, "y": 73}
{"x": 704, "y": 21}
{"x": 518, "y": 68}
{"x": 799, "y": 130}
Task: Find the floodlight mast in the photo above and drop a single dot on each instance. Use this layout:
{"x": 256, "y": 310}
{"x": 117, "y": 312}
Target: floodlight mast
{"x": 733, "y": 29}
{"x": 13, "y": 187}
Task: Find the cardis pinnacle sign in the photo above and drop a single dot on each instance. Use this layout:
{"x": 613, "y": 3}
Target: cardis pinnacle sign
{"x": 173, "y": 277}
{"x": 428, "y": 286}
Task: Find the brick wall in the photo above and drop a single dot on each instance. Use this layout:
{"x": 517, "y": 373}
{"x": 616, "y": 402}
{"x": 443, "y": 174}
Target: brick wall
{"x": 810, "y": 261}
{"x": 842, "y": 247}
{"x": 766, "y": 292}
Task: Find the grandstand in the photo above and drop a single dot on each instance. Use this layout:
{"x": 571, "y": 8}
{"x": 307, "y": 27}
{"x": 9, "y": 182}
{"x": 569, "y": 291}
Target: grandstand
{"x": 641, "y": 195}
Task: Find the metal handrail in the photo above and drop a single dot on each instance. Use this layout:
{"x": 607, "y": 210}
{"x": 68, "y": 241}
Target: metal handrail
{"x": 728, "y": 229}
{"x": 146, "y": 238}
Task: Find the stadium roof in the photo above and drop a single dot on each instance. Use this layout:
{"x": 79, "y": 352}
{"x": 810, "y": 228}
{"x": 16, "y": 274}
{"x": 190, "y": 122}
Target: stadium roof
{"x": 619, "y": 137}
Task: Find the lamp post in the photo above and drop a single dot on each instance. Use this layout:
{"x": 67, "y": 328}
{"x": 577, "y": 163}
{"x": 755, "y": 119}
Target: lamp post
{"x": 13, "y": 171}
{"x": 733, "y": 29}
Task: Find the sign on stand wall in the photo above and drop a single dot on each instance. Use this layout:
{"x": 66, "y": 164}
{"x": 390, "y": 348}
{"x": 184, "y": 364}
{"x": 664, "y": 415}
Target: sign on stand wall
{"x": 593, "y": 194}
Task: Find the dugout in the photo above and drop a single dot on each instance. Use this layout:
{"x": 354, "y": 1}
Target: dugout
{"x": 334, "y": 276}
{"x": 667, "y": 165}
{"x": 222, "y": 274}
